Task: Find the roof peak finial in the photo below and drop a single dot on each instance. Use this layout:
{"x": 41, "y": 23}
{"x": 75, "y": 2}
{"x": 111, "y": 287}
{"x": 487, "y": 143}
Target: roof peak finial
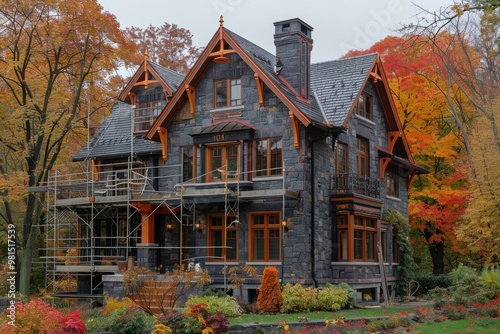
{"x": 221, "y": 21}
{"x": 146, "y": 55}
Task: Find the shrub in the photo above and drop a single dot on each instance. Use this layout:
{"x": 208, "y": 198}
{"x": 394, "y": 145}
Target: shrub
{"x": 226, "y": 305}
{"x": 296, "y": 298}
{"x": 439, "y": 296}
{"x": 429, "y": 281}
{"x": 466, "y": 287}
{"x": 39, "y": 317}
{"x": 128, "y": 320}
{"x": 490, "y": 279}
{"x": 332, "y": 299}
{"x": 351, "y": 293}
{"x": 195, "y": 319}
{"x": 270, "y": 298}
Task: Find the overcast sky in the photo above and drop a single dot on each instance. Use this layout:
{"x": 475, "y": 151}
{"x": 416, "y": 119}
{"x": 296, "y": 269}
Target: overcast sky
{"x": 339, "y": 25}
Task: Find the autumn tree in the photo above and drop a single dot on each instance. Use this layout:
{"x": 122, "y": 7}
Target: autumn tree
{"x": 168, "y": 45}
{"x": 54, "y": 55}
{"x": 467, "y": 73}
{"x": 437, "y": 199}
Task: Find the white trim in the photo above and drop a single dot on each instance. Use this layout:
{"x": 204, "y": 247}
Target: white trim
{"x": 358, "y": 263}
{"x": 392, "y": 198}
{"x": 365, "y": 120}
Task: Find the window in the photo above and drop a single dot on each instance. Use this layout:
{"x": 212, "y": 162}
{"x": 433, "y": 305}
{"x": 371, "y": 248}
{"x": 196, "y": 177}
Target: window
{"x": 222, "y": 163}
{"x": 365, "y": 106}
{"x": 188, "y": 160}
{"x": 227, "y": 93}
{"x": 149, "y": 105}
{"x": 265, "y": 237}
{"x": 392, "y": 184}
{"x": 364, "y": 242}
{"x": 342, "y": 162}
{"x": 395, "y": 246}
{"x": 222, "y": 239}
{"x": 268, "y": 159}
{"x": 362, "y": 156}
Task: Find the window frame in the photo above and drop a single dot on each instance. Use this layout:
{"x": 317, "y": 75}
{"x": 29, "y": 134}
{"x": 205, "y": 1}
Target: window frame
{"x": 193, "y": 163}
{"x": 228, "y": 83}
{"x": 268, "y": 231}
{"x": 274, "y": 166}
{"x": 392, "y": 184}
{"x": 364, "y": 106}
{"x": 362, "y": 157}
{"x": 342, "y": 158}
{"x": 212, "y": 172}
{"x": 360, "y": 234}
{"x": 213, "y": 253}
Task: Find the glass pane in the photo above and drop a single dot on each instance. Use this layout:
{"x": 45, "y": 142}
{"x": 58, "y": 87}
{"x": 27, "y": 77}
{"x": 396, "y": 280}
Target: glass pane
{"x": 258, "y": 220}
{"x": 370, "y": 245}
{"x": 217, "y": 241}
{"x": 236, "y": 92}
{"x": 343, "y": 245}
{"x": 274, "y": 244}
{"x": 221, "y": 94}
{"x": 358, "y": 245}
{"x": 261, "y": 158}
{"x": 187, "y": 164}
{"x": 274, "y": 220}
{"x": 258, "y": 244}
{"x": 276, "y": 156}
{"x": 231, "y": 249}
{"x": 232, "y": 161}
{"x": 216, "y": 163}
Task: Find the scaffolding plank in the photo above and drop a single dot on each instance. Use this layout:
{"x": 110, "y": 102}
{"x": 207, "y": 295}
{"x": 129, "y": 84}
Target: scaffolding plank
{"x": 85, "y": 268}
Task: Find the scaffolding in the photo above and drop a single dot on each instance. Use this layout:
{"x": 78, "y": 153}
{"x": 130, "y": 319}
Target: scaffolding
{"x": 93, "y": 219}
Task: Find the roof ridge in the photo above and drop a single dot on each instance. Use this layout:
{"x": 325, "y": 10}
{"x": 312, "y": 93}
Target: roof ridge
{"x": 348, "y": 58}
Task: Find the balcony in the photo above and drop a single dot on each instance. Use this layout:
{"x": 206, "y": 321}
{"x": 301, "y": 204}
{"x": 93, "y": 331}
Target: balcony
{"x": 356, "y": 184}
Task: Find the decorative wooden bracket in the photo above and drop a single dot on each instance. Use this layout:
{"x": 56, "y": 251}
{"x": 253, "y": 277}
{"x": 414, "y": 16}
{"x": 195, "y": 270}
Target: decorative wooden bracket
{"x": 393, "y": 137}
{"x": 162, "y": 132}
{"x": 260, "y": 89}
{"x": 220, "y": 55}
{"x": 374, "y": 74}
{"x": 410, "y": 180}
{"x": 295, "y": 129}
{"x": 384, "y": 162}
{"x": 190, "y": 90}
{"x": 133, "y": 98}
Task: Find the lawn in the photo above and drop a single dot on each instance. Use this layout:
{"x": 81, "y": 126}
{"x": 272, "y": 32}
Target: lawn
{"x": 347, "y": 314}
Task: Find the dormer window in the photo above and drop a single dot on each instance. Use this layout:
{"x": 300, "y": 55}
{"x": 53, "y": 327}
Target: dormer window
{"x": 365, "y": 106}
{"x": 227, "y": 93}
{"x": 149, "y": 105}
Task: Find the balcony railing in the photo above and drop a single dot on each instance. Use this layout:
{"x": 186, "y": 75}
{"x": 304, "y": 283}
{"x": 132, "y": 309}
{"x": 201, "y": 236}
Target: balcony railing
{"x": 356, "y": 184}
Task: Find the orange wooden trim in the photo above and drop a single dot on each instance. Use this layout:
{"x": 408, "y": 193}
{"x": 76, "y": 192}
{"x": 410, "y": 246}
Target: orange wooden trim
{"x": 145, "y": 82}
{"x": 260, "y": 88}
{"x": 133, "y": 98}
{"x": 393, "y": 137}
{"x": 295, "y": 128}
{"x": 410, "y": 181}
{"x": 375, "y": 77}
{"x": 190, "y": 90}
{"x": 148, "y": 229}
{"x": 384, "y": 162}
{"x": 96, "y": 169}
{"x": 162, "y": 133}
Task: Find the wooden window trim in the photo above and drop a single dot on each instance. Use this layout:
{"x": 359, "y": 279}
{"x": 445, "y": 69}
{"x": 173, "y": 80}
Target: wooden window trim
{"x": 269, "y": 169}
{"x": 224, "y": 228}
{"x": 208, "y": 161}
{"x": 228, "y": 92}
{"x": 364, "y": 107}
{"x": 266, "y": 227}
{"x": 351, "y": 229}
{"x": 360, "y": 154}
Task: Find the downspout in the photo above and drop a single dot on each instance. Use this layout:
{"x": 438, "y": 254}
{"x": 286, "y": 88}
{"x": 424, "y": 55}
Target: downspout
{"x": 334, "y": 132}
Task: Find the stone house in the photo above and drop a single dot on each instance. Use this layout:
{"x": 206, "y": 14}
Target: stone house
{"x": 251, "y": 157}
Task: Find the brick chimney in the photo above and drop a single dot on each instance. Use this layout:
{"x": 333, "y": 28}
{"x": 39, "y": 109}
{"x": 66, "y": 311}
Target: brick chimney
{"x": 293, "y": 43}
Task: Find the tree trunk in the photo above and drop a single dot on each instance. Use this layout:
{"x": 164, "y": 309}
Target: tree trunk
{"x": 437, "y": 254}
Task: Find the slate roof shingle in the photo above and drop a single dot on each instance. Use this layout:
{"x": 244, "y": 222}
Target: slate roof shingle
{"x": 113, "y": 139}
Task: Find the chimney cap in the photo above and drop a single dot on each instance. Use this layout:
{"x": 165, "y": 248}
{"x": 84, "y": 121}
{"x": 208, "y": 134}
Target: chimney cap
{"x": 292, "y": 26}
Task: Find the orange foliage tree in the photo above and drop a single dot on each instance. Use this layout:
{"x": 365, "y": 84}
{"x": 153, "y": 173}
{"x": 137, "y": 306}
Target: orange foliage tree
{"x": 55, "y": 55}
{"x": 437, "y": 200}
{"x": 270, "y": 298}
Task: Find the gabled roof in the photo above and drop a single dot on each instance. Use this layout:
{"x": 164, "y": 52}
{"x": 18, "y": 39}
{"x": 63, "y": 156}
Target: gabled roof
{"x": 261, "y": 62}
{"x": 114, "y": 139}
{"x": 337, "y": 84}
{"x": 168, "y": 79}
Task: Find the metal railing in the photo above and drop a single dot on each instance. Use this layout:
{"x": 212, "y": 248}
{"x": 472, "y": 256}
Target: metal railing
{"x": 356, "y": 184}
